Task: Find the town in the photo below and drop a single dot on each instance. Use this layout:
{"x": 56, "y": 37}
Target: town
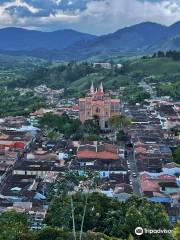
{"x": 89, "y": 120}
{"x": 96, "y": 144}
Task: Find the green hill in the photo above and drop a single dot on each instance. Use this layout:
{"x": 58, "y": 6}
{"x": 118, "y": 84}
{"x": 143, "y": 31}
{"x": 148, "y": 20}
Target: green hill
{"x": 155, "y": 66}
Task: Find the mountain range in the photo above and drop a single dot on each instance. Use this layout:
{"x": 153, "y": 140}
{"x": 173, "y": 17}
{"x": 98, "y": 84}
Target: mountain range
{"x": 142, "y": 38}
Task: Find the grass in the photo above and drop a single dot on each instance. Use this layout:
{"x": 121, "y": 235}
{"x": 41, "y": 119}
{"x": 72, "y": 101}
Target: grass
{"x": 155, "y": 66}
{"x": 85, "y": 82}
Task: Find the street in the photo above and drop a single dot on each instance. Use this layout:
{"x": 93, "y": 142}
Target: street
{"x": 133, "y": 168}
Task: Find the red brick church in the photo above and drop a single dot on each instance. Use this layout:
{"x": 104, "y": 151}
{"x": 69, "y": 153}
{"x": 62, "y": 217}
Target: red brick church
{"x": 98, "y": 105}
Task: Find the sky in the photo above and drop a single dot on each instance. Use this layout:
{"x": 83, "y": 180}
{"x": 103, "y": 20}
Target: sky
{"x": 91, "y": 16}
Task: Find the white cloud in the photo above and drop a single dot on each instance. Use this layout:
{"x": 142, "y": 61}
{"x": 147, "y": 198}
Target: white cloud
{"x": 99, "y": 16}
{"x": 20, "y": 3}
{"x": 109, "y": 15}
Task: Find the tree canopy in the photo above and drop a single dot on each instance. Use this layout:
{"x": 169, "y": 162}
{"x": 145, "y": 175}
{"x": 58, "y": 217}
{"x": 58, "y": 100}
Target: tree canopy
{"x": 108, "y": 215}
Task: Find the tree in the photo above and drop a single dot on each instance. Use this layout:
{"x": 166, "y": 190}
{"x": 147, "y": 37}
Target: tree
{"x": 108, "y": 215}
{"x": 62, "y": 123}
{"x": 176, "y": 231}
{"x": 118, "y": 123}
{"x": 93, "y": 137}
{"x": 160, "y": 54}
{"x": 177, "y": 155}
{"x": 13, "y": 225}
{"x": 91, "y": 127}
{"x": 50, "y": 233}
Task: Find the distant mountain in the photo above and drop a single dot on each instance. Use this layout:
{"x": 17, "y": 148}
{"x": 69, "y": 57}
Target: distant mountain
{"x": 68, "y": 45}
{"x": 132, "y": 39}
{"x": 174, "y": 28}
{"x": 23, "y": 39}
{"x": 171, "y": 40}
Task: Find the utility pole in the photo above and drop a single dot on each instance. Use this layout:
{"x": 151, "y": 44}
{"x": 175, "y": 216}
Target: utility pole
{"x": 72, "y": 209}
{"x": 84, "y": 212}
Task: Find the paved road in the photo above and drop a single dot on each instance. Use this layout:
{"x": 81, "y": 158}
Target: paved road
{"x": 133, "y": 168}
{"x": 148, "y": 88}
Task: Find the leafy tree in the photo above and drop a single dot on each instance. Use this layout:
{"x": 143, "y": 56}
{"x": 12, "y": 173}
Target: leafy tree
{"x": 160, "y": 54}
{"x": 63, "y": 124}
{"x": 13, "y": 225}
{"x": 50, "y": 233}
{"x": 177, "y": 155}
{"x": 119, "y": 122}
{"x": 91, "y": 127}
{"x": 108, "y": 215}
{"x": 176, "y": 231}
{"x": 93, "y": 137}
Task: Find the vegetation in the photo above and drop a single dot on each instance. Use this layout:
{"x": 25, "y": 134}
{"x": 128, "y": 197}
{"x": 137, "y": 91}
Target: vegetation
{"x": 118, "y": 123}
{"x": 174, "y": 55}
{"x": 176, "y": 231}
{"x": 13, "y": 225}
{"x": 135, "y": 94}
{"x": 12, "y": 103}
{"x": 169, "y": 89}
{"x": 62, "y": 124}
{"x": 108, "y": 215}
{"x": 177, "y": 155}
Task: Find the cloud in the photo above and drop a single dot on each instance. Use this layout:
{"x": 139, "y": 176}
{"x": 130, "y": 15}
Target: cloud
{"x": 109, "y": 15}
{"x": 94, "y": 16}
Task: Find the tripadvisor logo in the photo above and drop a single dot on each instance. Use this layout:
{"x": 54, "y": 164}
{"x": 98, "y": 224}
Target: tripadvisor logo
{"x": 139, "y": 231}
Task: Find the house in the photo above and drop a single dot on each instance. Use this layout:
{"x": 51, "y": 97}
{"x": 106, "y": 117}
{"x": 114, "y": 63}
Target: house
{"x": 103, "y": 158}
{"x": 35, "y": 168}
{"x": 171, "y": 169}
{"x": 122, "y": 192}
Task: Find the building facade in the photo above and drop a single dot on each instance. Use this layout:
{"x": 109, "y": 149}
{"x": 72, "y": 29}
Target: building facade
{"x": 98, "y": 105}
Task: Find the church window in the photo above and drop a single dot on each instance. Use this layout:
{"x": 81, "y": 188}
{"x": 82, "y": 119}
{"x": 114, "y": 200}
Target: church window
{"x": 98, "y": 110}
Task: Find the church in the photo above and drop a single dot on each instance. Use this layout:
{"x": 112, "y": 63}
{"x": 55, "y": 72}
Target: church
{"x": 98, "y": 105}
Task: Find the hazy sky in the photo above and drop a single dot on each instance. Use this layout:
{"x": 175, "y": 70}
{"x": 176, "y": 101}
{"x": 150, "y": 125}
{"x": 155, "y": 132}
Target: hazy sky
{"x": 93, "y": 16}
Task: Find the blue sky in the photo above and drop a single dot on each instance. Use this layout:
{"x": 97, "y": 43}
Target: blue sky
{"x": 93, "y": 16}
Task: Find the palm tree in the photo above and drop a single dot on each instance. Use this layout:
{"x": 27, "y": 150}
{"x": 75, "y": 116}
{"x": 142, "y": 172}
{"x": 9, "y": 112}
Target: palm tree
{"x": 117, "y": 123}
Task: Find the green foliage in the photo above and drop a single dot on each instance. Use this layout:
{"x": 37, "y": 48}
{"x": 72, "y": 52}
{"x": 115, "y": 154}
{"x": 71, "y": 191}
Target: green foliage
{"x": 64, "y": 184}
{"x": 154, "y": 66}
{"x": 13, "y": 225}
{"x": 135, "y": 94}
{"x": 177, "y": 155}
{"x": 176, "y": 231}
{"x": 63, "y": 124}
{"x": 91, "y": 127}
{"x": 12, "y": 103}
{"x": 93, "y": 137}
{"x": 108, "y": 215}
{"x": 50, "y": 233}
{"x": 121, "y": 136}
{"x": 55, "y": 77}
{"x": 118, "y": 122}
{"x": 175, "y": 55}
{"x": 169, "y": 89}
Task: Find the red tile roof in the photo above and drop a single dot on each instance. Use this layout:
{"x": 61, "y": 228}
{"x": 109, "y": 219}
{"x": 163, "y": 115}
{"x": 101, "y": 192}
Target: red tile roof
{"x": 97, "y": 155}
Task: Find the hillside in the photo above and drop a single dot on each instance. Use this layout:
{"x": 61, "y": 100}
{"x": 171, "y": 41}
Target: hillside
{"x": 23, "y": 39}
{"x": 155, "y": 66}
{"x": 67, "y": 45}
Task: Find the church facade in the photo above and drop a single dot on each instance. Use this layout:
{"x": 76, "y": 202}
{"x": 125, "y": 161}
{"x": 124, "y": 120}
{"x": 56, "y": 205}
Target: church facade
{"x": 98, "y": 105}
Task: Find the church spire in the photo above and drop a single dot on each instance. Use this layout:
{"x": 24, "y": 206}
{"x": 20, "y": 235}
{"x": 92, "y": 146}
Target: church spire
{"x": 101, "y": 88}
{"x": 92, "y": 88}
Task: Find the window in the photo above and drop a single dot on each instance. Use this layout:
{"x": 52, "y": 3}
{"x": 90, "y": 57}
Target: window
{"x": 98, "y": 110}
